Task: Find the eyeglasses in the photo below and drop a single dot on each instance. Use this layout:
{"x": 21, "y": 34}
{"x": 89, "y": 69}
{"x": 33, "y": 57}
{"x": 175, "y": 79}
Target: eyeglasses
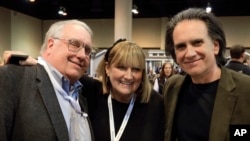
{"x": 75, "y": 45}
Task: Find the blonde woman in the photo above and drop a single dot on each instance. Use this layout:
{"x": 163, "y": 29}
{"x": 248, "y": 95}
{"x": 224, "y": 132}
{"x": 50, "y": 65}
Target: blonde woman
{"x": 129, "y": 109}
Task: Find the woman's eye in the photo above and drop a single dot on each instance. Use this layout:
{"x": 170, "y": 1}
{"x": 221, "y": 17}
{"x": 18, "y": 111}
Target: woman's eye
{"x": 136, "y": 69}
{"x": 121, "y": 67}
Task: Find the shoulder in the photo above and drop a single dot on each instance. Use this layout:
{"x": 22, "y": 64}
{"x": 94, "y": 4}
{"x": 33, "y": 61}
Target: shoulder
{"x": 17, "y": 70}
{"x": 246, "y": 70}
{"x": 175, "y": 78}
{"x": 156, "y": 102}
{"x": 233, "y": 79}
{"x": 231, "y": 74}
{"x": 16, "y": 77}
{"x": 155, "y": 96}
{"x": 89, "y": 81}
{"x": 91, "y": 87}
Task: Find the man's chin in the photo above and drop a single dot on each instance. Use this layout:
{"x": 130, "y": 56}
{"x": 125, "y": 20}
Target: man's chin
{"x": 75, "y": 76}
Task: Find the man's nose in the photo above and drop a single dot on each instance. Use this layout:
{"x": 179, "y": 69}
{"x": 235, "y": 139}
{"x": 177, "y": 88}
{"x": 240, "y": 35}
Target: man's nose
{"x": 190, "y": 51}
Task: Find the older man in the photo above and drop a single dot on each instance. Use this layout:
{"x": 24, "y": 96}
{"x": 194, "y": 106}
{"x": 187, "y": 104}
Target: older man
{"x": 41, "y": 102}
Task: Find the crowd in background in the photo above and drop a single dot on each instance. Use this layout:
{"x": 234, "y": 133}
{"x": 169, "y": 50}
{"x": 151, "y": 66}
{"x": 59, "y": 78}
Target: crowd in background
{"x": 161, "y": 74}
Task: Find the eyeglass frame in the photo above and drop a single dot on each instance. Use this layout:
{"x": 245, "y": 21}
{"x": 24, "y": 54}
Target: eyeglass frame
{"x": 76, "y": 48}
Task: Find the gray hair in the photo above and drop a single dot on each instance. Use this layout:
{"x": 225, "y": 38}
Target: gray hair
{"x": 56, "y": 30}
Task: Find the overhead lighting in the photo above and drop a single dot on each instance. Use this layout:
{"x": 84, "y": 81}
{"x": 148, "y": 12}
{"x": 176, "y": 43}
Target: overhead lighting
{"x": 208, "y": 8}
{"x": 62, "y": 11}
{"x": 134, "y": 9}
{"x": 30, "y": 1}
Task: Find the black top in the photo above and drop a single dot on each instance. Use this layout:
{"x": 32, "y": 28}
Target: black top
{"x": 146, "y": 122}
{"x": 161, "y": 82}
{"x": 194, "y": 111}
{"x": 239, "y": 67}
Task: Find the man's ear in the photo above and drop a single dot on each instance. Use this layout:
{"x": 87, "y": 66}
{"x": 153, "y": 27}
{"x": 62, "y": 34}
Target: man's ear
{"x": 50, "y": 43}
{"x": 216, "y": 47}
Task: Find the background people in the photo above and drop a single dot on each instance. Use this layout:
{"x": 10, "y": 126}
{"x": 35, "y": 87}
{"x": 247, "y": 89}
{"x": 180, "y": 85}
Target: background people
{"x": 129, "y": 109}
{"x": 41, "y": 102}
{"x": 247, "y": 60}
{"x": 151, "y": 76}
{"x": 201, "y": 105}
{"x": 237, "y": 53}
{"x": 167, "y": 70}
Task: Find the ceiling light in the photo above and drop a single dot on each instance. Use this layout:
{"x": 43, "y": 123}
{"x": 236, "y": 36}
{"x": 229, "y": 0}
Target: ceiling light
{"x": 208, "y": 8}
{"x": 62, "y": 11}
{"x": 135, "y": 10}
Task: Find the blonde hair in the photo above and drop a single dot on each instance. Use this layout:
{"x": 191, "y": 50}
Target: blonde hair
{"x": 129, "y": 54}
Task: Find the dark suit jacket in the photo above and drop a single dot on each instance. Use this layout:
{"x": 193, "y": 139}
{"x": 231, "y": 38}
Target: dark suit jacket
{"x": 239, "y": 67}
{"x": 92, "y": 89}
{"x": 29, "y": 109}
{"x": 231, "y": 104}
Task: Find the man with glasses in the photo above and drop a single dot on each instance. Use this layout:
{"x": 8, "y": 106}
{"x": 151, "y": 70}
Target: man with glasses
{"x": 42, "y": 102}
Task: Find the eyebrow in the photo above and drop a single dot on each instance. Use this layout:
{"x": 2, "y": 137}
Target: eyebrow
{"x": 192, "y": 42}
{"x": 196, "y": 41}
{"x": 179, "y": 45}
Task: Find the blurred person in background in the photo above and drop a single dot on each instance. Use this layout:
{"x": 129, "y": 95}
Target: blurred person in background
{"x": 151, "y": 76}
{"x": 238, "y": 56}
{"x": 167, "y": 70}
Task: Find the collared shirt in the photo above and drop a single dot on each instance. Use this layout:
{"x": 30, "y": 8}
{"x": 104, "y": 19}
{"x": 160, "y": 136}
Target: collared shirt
{"x": 67, "y": 109}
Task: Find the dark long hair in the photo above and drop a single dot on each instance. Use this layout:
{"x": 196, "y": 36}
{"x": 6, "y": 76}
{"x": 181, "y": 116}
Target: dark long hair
{"x": 214, "y": 28}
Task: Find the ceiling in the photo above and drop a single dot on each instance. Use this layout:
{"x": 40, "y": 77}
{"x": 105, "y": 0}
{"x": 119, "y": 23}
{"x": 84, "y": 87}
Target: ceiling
{"x": 104, "y": 9}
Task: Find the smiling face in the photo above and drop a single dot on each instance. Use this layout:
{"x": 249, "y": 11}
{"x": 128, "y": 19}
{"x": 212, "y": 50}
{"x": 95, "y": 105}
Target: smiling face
{"x": 71, "y": 64}
{"x": 195, "y": 51}
{"x": 125, "y": 71}
{"x": 168, "y": 69}
{"x": 124, "y": 80}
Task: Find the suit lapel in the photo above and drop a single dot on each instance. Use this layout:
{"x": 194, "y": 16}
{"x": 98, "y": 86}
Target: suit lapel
{"x": 223, "y": 106}
{"x": 52, "y": 105}
{"x": 170, "y": 103}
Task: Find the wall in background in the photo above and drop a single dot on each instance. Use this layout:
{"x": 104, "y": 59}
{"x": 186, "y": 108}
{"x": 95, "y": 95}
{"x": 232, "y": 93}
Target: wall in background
{"x": 5, "y": 30}
{"x": 25, "y": 33}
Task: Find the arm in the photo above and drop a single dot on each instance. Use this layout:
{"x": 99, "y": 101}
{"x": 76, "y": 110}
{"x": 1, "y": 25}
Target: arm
{"x": 156, "y": 85}
{"x": 28, "y": 61}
